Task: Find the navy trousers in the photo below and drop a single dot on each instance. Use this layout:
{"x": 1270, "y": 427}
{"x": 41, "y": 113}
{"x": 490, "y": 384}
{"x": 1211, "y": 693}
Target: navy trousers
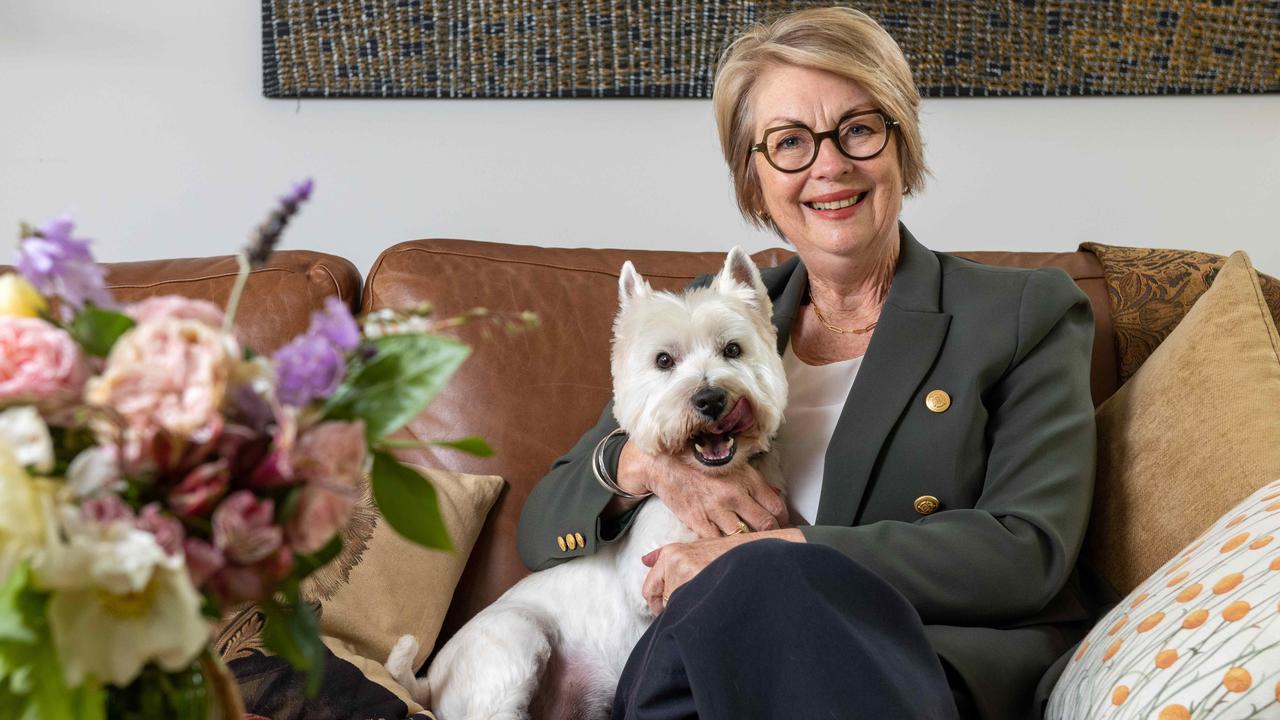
{"x": 774, "y": 629}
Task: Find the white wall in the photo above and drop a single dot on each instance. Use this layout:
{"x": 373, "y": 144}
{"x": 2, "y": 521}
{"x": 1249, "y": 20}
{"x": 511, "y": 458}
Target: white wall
{"x": 146, "y": 118}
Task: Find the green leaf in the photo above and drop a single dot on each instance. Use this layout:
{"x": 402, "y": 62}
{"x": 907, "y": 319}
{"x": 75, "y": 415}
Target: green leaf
{"x": 13, "y": 624}
{"x": 408, "y": 502}
{"x": 97, "y": 329}
{"x": 395, "y": 386}
{"x": 32, "y": 684}
{"x": 304, "y": 565}
{"x": 292, "y": 632}
{"x": 470, "y": 445}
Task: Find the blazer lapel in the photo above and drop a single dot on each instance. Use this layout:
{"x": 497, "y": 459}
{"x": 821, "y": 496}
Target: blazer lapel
{"x": 906, "y": 342}
{"x": 786, "y": 297}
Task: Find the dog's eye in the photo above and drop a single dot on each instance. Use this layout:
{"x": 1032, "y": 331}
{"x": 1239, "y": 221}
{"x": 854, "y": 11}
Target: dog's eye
{"x": 664, "y": 361}
{"x": 733, "y": 350}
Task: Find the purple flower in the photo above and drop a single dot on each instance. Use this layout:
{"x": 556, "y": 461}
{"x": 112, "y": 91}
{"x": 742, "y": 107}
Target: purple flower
{"x": 335, "y": 324}
{"x": 60, "y": 265}
{"x": 309, "y": 367}
{"x": 267, "y": 235}
{"x": 300, "y": 193}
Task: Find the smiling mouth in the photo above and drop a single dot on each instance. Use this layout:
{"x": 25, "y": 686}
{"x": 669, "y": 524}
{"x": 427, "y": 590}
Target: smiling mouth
{"x": 837, "y": 204}
{"x": 714, "y": 450}
{"x": 717, "y": 443}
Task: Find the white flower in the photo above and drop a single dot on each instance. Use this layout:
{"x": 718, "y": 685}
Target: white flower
{"x": 25, "y": 431}
{"x": 22, "y": 516}
{"x": 112, "y": 636}
{"x": 118, "y": 601}
{"x": 94, "y": 470}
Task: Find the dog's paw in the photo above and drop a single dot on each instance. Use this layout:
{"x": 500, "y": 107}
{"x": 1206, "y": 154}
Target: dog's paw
{"x": 400, "y": 661}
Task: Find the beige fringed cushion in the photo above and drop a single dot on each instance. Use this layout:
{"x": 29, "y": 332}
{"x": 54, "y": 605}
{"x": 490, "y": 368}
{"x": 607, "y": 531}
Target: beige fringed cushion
{"x": 379, "y": 588}
{"x": 1193, "y": 432}
{"x": 394, "y": 587}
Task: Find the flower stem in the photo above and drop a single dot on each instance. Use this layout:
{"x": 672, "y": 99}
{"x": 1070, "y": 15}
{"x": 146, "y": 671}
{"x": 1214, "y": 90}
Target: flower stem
{"x": 233, "y": 303}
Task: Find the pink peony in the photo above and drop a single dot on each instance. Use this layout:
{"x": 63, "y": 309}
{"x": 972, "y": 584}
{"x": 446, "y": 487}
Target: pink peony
{"x": 167, "y": 375}
{"x": 331, "y": 453}
{"x": 39, "y": 363}
{"x": 243, "y": 528}
{"x": 176, "y": 307}
{"x": 200, "y": 489}
{"x": 321, "y": 513}
{"x": 331, "y": 458}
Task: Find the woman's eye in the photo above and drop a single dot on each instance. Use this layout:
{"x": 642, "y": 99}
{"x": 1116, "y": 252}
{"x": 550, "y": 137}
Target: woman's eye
{"x": 664, "y": 361}
{"x": 733, "y": 350}
{"x": 857, "y": 130}
{"x": 790, "y": 142}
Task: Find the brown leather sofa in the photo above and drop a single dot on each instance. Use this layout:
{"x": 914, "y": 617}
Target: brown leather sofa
{"x": 532, "y": 394}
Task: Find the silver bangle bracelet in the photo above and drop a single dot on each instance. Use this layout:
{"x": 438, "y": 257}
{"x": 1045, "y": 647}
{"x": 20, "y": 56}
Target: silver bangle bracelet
{"x": 602, "y": 473}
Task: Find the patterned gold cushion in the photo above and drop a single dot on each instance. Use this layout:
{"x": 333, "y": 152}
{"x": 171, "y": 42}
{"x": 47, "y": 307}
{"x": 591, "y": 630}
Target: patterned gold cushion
{"x": 1152, "y": 289}
{"x": 1200, "y": 638}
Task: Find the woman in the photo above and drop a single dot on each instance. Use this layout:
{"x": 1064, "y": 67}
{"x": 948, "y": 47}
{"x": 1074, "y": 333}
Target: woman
{"x": 939, "y": 443}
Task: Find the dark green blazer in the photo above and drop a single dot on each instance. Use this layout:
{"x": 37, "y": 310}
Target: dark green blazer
{"x": 1011, "y": 462}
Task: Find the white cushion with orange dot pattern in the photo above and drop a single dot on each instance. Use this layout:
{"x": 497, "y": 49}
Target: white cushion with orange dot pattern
{"x": 1198, "y": 639}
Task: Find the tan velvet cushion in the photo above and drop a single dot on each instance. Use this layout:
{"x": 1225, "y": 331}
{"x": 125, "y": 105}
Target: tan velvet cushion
{"x": 393, "y": 587}
{"x": 1194, "y": 431}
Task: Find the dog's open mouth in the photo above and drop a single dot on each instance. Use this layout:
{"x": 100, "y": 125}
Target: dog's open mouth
{"x": 717, "y": 443}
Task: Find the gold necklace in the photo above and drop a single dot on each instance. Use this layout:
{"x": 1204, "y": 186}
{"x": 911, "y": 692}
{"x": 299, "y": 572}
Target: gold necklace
{"x": 840, "y": 330}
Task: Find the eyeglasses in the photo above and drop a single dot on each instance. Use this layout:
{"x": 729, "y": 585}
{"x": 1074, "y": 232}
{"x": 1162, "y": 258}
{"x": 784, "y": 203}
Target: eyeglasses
{"x": 859, "y": 136}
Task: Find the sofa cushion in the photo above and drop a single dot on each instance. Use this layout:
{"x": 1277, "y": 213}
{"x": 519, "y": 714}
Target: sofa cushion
{"x": 1200, "y": 637}
{"x": 387, "y": 586}
{"x": 1192, "y": 432}
{"x": 1151, "y": 289}
{"x": 532, "y": 395}
{"x": 278, "y": 299}
{"x": 380, "y": 587}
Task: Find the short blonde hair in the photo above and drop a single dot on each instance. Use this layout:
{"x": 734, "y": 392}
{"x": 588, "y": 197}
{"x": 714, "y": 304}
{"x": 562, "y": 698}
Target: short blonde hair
{"x": 839, "y": 40}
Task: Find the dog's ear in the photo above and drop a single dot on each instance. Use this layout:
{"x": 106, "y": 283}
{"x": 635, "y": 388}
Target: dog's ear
{"x": 631, "y": 285}
{"x": 740, "y": 270}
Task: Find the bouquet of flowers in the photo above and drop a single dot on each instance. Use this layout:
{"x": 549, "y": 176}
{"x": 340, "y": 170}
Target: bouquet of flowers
{"x": 154, "y": 474}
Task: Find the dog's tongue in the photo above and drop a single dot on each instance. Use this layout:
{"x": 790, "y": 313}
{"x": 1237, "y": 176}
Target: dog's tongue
{"x": 736, "y": 420}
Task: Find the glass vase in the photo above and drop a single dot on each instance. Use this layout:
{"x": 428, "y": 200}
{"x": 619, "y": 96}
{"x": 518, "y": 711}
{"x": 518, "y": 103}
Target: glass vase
{"x": 203, "y": 691}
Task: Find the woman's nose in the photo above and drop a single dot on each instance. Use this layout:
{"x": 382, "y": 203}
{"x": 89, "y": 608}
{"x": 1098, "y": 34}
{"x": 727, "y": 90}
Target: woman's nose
{"x": 830, "y": 163}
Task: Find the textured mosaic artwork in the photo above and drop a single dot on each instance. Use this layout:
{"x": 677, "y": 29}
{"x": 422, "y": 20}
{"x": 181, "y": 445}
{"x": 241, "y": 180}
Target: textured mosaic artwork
{"x": 668, "y": 48}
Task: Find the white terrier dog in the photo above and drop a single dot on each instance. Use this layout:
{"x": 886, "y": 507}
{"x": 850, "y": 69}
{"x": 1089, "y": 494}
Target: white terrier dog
{"x": 696, "y": 376}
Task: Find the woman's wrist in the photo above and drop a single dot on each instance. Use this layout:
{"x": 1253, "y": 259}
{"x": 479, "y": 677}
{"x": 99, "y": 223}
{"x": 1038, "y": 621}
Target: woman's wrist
{"x": 630, "y": 478}
{"x": 634, "y": 471}
{"x": 628, "y": 486}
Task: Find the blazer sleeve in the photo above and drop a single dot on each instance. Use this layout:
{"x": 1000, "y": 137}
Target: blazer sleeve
{"x": 568, "y": 500}
{"x": 1007, "y": 557}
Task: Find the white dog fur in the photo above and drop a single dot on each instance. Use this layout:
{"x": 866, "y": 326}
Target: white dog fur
{"x": 587, "y": 614}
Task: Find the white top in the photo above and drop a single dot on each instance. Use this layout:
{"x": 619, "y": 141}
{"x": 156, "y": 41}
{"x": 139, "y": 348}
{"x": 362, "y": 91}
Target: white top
{"x": 815, "y": 397}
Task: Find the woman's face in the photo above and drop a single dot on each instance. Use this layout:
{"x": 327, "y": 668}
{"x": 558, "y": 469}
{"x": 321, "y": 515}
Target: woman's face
{"x": 785, "y": 95}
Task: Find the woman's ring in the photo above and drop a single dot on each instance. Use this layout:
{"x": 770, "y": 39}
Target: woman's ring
{"x": 742, "y": 527}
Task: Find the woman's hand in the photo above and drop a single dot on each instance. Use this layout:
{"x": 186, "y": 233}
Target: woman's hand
{"x": 676, "y": 564}
{"x": 709, "y": 505}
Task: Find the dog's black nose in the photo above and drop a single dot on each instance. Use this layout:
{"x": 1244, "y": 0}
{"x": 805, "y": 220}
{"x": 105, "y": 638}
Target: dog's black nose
{"x": 710, "y": 402}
